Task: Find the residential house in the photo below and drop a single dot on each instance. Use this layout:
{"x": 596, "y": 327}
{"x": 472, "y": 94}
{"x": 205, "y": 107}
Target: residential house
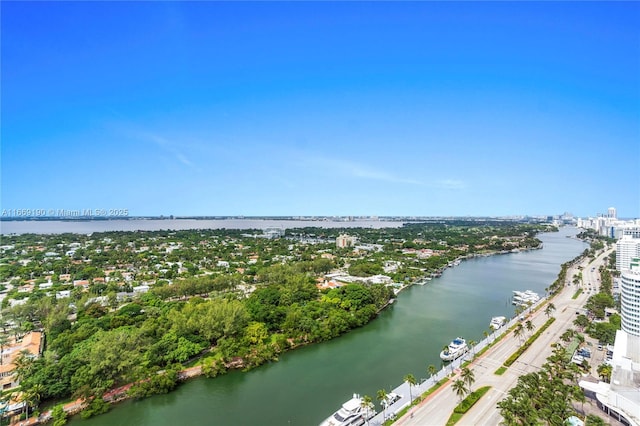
{"x": 32, "y": 344}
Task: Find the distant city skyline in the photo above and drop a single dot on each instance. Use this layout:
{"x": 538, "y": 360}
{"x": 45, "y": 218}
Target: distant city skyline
{"x": 321, "y": 109}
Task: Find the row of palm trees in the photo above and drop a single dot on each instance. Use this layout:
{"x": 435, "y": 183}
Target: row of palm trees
{"x": 383, "y": 397}
{"x": 520, "y": 328}
{"x": 462, "y": 386}
{"x": 528, "y": 325}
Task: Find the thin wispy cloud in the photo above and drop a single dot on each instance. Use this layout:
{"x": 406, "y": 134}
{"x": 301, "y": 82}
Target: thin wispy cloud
{"x": 168, "y": 146}
{"x": 450, "y": 184}
{"x": 357, "y": 170}
{"x": 362, "y": 171}
{"x": 184, "y": 160}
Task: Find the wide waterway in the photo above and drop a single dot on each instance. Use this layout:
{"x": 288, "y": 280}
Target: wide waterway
{"x": 308, "y": 384}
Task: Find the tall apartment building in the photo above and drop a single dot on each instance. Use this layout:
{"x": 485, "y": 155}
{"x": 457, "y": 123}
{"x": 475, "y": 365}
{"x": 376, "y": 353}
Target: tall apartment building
{"x": 627, "y": 248}
{"x": 620, "y": 398}
{"x": 634, "y": 231}
{"x": 630, "y": 298}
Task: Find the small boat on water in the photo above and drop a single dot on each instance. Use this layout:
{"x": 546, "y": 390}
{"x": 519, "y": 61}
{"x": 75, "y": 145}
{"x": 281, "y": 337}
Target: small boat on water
{"x": 351, "y": 413}
{"x": 497, "y": 322}
{"x": 455, "y": 349}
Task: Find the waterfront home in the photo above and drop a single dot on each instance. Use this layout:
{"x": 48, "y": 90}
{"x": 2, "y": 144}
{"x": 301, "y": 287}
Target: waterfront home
{"x": 31, "y": 343}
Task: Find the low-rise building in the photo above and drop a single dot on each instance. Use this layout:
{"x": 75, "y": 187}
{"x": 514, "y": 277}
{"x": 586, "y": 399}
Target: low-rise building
{"x": 620, "y": 398}
{"x": 30, "y": 344}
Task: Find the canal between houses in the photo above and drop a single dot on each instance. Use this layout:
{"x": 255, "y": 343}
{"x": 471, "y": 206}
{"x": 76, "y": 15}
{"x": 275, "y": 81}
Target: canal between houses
{"x": 308, "y": 384}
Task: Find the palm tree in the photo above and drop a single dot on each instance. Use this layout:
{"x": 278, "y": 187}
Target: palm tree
{"x": 32, "y": 396}
{"x": 472, "y": 343}
{"x": 529, "y": 326}
{"x": 604, "y": 371}
{"x": 486, "y": 335}
{"x": 518, "y": 332}
{"x": 467, "y": 376}
{"x": 23, "y": 363}
{"x": 527, "y": 308}
{"x": 432, "y": 370}
{"x": 367, "y": 403}
{"x": 381, "y": 395}
{"x": 567, "y": 335}
{"x": 549, "y": 309}
{"x": 581, "y": 321}
{"x": 411, "y": 380}
{"x": 519, "y": 310}
{"x": 460, "y": 388}
{"x": 559, "y": 353}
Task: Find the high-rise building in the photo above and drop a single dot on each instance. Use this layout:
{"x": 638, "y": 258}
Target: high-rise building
{"x": 634, "y": 231}
{"x": 611, "y": 212}
{"x": 627, "y": 248}
{"x": 630, "y": 298}
{"x": 620, "y": 398}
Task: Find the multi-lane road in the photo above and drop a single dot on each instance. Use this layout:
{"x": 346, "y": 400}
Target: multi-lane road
{"x": 436, "y": 409}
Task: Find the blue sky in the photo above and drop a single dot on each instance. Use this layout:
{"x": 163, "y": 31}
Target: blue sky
{"x": 301, "y": 108}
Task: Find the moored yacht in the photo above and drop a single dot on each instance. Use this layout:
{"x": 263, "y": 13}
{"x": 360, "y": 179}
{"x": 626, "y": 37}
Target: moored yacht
{"x": 497, "y": 322}
{"x": 456, "y": 349}
{"x": 352, "y": 413}
{"x": 524, "y": 298}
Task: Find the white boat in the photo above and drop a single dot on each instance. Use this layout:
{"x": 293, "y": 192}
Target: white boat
{"x": 456, "y": 349}
{"x": 497, "y": 322}
{"x": 524, "y": 298}
{"x": 352, "y": 413}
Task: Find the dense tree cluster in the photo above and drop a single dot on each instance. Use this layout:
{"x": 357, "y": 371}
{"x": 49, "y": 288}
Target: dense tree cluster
{"x": 604, "y": 331}
{"x": 106, "y": 348}
{"x": 545, "y": 396}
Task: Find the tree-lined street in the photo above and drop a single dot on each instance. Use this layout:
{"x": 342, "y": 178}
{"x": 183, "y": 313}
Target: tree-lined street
{"x": 436, "y": 409}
